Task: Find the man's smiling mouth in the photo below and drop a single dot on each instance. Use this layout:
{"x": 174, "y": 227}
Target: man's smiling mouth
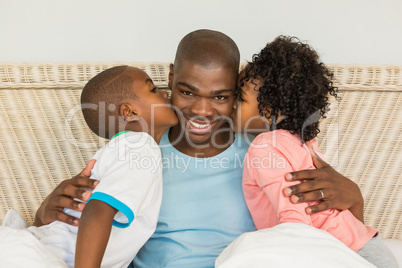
{"x": 199, "y": 127}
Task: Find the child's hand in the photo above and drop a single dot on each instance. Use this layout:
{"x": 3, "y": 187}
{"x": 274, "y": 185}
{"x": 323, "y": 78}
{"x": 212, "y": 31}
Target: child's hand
{"x": 62, "y": 196}
{"x": 325, "y": 184}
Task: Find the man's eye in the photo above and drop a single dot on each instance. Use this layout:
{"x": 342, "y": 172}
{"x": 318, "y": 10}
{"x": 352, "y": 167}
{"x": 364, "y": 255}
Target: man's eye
{"x": 187, "y": 93}
{"x": 220, "y": 97}
{"x": 154, "y": 89}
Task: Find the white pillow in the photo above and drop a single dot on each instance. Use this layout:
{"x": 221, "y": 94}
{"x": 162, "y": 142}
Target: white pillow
{"x": 289, "y": 245}
{"x": 14, "y": 219}
{"x": 19, "y": 248}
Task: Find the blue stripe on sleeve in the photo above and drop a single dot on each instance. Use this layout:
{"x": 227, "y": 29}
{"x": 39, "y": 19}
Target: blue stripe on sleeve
{"x": 123, "y": 208}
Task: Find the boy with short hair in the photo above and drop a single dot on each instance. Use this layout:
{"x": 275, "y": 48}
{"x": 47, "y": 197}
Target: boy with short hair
{"x": 119, "y": 103}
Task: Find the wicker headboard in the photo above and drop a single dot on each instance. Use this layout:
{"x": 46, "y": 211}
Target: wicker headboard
{"x": 44, "y": 139}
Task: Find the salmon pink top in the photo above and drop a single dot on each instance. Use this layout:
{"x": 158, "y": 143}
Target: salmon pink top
{"x": 270, "y": 156}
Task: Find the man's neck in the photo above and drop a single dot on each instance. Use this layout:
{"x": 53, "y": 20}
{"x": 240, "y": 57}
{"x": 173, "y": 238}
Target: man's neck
{"x": 221, "y": 142}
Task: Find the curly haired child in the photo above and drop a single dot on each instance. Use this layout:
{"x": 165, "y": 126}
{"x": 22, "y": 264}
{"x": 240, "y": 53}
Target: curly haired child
{"x": 283, "y": 93}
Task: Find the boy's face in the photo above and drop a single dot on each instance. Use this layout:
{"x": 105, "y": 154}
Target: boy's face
{"x": 152, "y": 104}
{"x": 246, "y": 116}
{"x": 204, "y": 97}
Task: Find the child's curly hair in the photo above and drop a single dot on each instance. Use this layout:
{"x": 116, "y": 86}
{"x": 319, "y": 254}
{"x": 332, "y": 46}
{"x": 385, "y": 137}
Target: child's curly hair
{"x": 295, "y": 86}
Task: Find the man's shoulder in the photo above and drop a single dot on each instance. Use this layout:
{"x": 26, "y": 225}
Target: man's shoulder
{"x": 243, "y": 140}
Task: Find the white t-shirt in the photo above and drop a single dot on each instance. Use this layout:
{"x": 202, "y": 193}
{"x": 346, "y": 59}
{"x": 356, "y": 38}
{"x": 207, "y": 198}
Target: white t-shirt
{"x": 129, "y": 168}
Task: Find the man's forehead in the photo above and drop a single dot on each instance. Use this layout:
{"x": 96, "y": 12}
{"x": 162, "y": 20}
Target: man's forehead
{"x": 198, "y": 72}
{"x": 207, "y": 65}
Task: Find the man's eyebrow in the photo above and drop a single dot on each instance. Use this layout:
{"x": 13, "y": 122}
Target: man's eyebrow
{"x": 222, "y": 91}
{"x": 149, "y": 80}
{"x": 188, "y": 86}
{"x": 215, "y": 92}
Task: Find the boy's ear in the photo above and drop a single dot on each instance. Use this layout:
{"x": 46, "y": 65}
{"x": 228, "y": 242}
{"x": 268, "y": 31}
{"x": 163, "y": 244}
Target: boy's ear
{"x": 171, "y": 66}
{"x": 128, "y": 112}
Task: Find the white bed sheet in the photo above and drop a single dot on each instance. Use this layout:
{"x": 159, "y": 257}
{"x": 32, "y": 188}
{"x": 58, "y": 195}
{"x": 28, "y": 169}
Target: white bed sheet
{"x": 19, "y": 248}
{"x": 396, "y": 247}
{"x": 289, "y": 245}
{"x": 247, "y": 246}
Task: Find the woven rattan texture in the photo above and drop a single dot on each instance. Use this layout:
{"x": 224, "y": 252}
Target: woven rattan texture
{"x": 44, "y": 139}
{"x": 68, "y": 75}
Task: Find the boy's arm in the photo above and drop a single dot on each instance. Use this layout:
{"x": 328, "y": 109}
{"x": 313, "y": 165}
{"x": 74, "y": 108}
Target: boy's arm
{"x": 93, "y": 233}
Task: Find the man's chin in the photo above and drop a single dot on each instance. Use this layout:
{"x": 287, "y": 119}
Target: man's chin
{"x": 198, "y": 139}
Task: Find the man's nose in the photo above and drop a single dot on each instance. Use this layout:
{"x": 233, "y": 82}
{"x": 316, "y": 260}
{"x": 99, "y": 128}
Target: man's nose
{"x": 202, "y": 107}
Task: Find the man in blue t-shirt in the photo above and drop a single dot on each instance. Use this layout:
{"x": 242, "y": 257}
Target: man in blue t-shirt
{"x": 203, "y": 209}
{"x": 203, "y": 203}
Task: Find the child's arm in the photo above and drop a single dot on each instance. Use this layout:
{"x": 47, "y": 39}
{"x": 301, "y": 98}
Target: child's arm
{"x": 285, "y": 210}
{"x": 93, "y": 233}
{"x": 268, "y": 167}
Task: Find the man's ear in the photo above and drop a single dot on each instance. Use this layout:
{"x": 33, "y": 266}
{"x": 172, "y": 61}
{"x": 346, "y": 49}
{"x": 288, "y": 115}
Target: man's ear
{"x": 171, "y": 67}
{"x": 128, "y": 112}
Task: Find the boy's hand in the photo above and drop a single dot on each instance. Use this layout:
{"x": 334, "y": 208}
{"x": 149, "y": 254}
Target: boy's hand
{"x": 339, "y": 192}
{"x": 62, "y": 196}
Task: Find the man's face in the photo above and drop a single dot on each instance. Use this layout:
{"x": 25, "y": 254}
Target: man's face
{"x": 204, "y": 97}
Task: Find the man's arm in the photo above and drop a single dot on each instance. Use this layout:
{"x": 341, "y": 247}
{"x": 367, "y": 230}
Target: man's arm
{"x": 93, "y": 234}
{"x": 339, "y": 192}
{"x": 62, "y": 196}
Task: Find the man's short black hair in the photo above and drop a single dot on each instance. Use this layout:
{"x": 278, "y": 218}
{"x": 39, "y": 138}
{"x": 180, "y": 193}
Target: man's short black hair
{"x": 209, "y": 49}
